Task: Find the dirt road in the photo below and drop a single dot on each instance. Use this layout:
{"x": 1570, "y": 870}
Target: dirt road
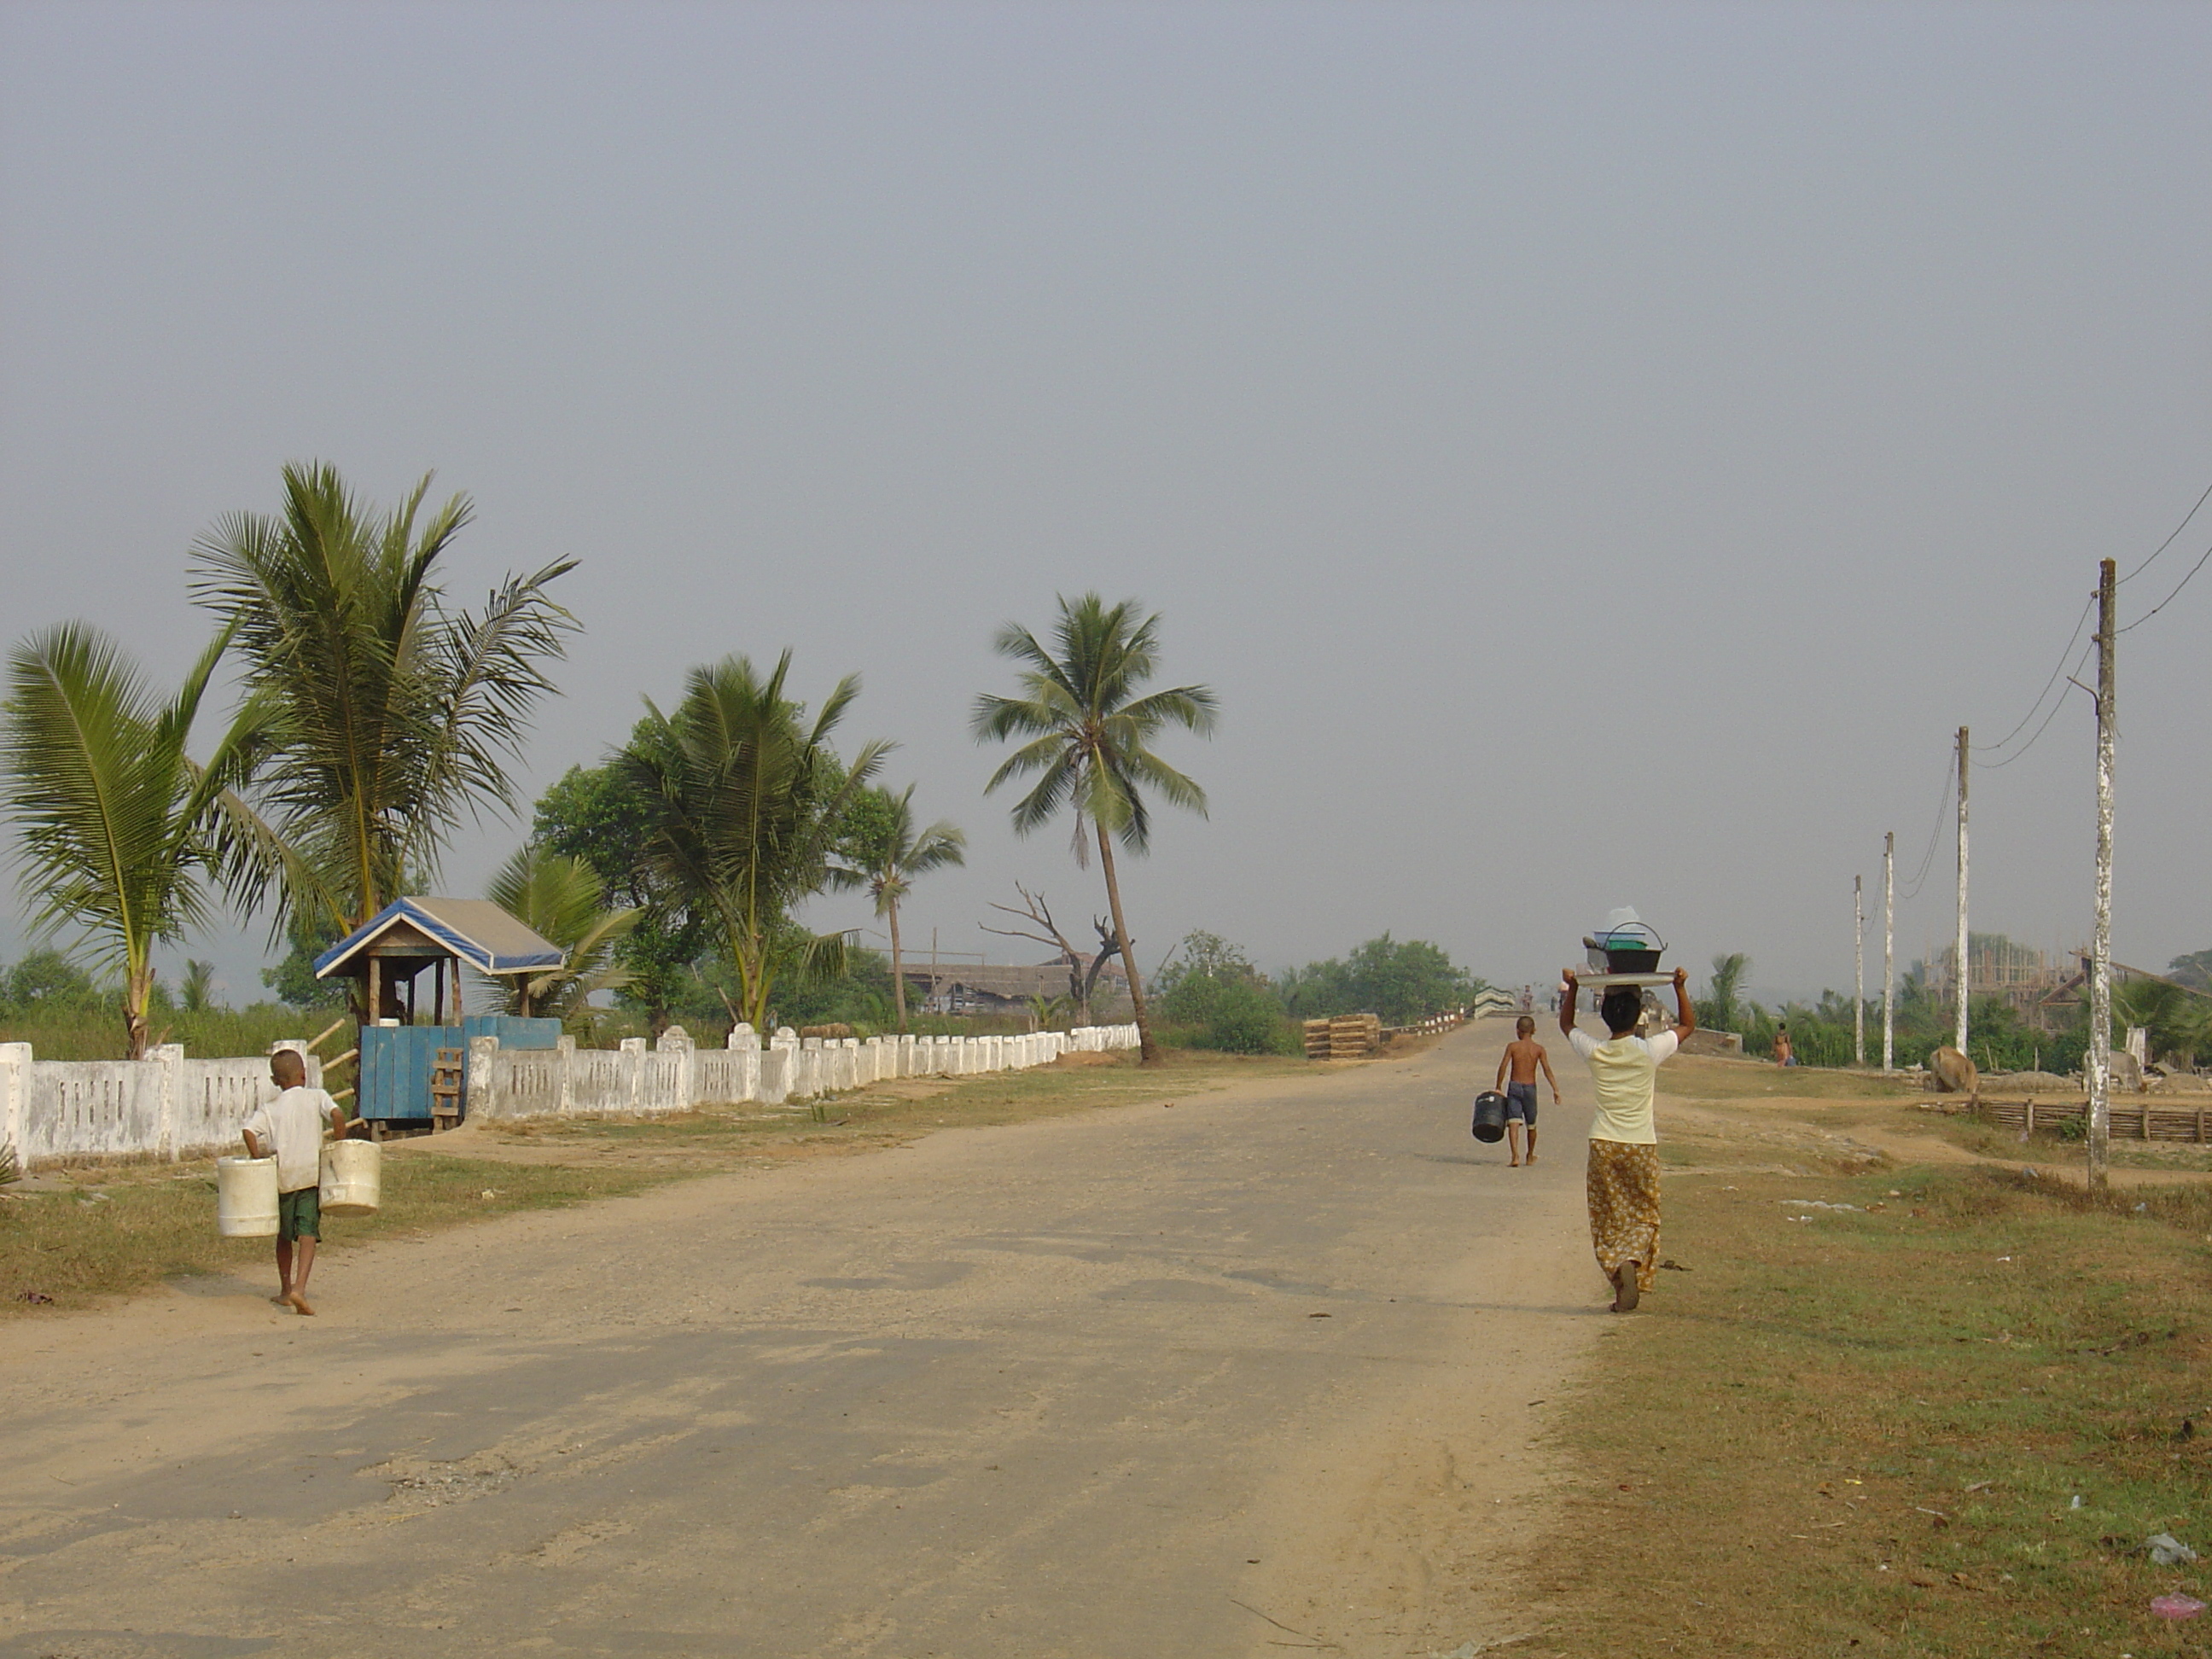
{"x": 1251, "y": 1372}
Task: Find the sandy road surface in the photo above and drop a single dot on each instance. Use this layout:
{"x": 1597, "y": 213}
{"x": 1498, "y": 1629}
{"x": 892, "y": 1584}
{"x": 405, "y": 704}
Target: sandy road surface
{"x": 1058, "y": 1389}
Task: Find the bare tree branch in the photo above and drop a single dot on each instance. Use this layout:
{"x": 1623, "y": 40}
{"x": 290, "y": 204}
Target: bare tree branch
{"x": 1034, "y": 910}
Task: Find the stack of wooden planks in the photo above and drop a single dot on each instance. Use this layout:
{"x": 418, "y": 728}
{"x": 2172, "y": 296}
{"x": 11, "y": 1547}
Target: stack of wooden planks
{"x": 1354, "y": 1036}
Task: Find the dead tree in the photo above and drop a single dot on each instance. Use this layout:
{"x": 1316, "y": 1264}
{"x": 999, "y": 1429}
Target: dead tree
{"x": 1082, "y": 979}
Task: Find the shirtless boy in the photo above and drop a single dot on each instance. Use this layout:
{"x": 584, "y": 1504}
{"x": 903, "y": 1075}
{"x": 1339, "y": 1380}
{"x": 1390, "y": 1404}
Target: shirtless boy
{"x": 1524, "y": 1058}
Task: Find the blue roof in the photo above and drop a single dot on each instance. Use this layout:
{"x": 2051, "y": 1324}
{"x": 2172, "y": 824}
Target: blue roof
{"x": 476, "y": 931}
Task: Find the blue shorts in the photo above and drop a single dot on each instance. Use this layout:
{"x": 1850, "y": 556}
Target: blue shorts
{"x": 1521, "y": 1103}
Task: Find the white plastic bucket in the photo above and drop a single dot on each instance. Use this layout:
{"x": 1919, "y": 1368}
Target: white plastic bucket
{"x": 353, "y": 1178}
{"x": 246, "y": 1197}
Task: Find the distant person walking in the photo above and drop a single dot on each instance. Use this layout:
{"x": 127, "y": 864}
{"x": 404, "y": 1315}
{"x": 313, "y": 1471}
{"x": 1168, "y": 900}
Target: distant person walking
{"x": 290, "y": 1129}
{"x": 1524, "y": 1058}
{"x": 1785, "y": 1051}
{"x": 1623, "y": 1181}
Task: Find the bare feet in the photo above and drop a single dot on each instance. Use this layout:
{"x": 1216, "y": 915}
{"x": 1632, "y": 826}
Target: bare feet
{"x": 1626, "y": 1292}
{"x": 1514, "y": 1165}
{"x": 1531, "y": 1157}
{"x": 283, "y": 1298}
{"x": 300, "y": 1303}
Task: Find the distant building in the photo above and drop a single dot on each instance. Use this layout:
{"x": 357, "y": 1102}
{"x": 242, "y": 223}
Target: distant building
{"x": 979, "y": 987}
{"x": 2067, "y": 1003}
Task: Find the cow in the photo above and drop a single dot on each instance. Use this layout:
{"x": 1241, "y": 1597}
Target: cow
{"x": 1955, "y": 1073}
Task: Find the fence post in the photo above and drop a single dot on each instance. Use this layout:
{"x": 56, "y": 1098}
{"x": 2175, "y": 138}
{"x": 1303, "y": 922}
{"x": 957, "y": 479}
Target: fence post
{"x": 677, "y": 1040}
{"x": 480, "y": 1094}
{"x": 14, "y": 1099}
{"x": 170, "y": 1057}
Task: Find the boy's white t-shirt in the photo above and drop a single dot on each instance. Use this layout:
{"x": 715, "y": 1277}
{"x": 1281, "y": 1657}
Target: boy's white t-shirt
{"x": 1625, "y": 1070}
{"x": 291, "y": 1126}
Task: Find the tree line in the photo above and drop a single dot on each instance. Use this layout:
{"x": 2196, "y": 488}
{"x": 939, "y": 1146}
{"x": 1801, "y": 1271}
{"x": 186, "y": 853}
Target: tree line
{"x": 375, "y": 716}
{"x": 1214, "y": 997}
{"x": 2175, "y": 1012}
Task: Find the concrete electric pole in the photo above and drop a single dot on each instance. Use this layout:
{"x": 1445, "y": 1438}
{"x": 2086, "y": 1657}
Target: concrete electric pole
{"x": 1889, "y": 952}
{"x": 2099, "y": 1062}
{"x": 1858, "y": 970}
{"x": 1963, "y": 980}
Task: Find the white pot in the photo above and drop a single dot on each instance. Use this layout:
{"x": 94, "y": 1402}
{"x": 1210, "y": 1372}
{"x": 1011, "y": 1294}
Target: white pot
{"x": 246, "y": 1197}
{"x": 353, "y": 1178}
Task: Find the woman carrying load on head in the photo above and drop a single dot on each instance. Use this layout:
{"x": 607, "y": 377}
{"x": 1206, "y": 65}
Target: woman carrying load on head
{"x": 1623, "y": 1180}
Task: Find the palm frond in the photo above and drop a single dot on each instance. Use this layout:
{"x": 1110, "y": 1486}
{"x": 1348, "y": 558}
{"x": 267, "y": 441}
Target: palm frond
{"x": 386, "y": 717}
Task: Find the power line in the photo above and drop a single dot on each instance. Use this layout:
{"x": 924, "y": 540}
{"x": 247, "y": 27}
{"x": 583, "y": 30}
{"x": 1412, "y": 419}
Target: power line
{"x": 2088, "y": 605}
{"x": 2036, "y": 708}
{"x": 1934, "y": 834}
{"x": 2170, "y": 598}
{"x": 2169, "y": 541}
{"x": 1991, "y": 766}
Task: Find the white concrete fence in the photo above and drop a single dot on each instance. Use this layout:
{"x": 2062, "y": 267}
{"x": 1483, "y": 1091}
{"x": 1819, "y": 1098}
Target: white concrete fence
{"x": 164, "y": 1105}
{"x": 675, "y": 1074}
{"x": 169, "y": 1106}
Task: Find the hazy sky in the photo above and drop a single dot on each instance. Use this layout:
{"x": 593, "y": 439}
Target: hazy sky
{"x": 1599, "y": 454}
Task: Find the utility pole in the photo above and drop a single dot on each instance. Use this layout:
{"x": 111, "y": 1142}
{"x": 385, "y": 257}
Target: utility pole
{"x": 1889, "y": 952}
{"x": 1963, "y": 983}
{"x": 2099, "y": 1063}
{"x": 1858, "y": 970}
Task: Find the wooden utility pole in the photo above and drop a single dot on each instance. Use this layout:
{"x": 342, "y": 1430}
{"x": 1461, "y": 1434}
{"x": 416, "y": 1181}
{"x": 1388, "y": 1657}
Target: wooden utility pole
{"x": 1858, "y": 970}
{"x": 2099, "y": 1061}
{"x": 1963, "y": 982}
{"x": 1889, "y": 952}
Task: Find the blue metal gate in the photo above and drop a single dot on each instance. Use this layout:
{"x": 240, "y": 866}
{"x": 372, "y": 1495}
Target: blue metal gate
{"x": 396, "y": 1060}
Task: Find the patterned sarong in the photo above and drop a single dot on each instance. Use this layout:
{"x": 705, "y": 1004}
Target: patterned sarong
{"x": 1624, "y": 1207}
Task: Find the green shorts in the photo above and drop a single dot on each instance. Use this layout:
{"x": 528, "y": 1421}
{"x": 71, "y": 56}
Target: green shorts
{"x": 299, "y": 1215}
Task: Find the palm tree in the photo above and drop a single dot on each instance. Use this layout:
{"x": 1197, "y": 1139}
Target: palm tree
{"x": 196, "y": 991}
{"x": 1722, "y": 1009}
{"x": 119, "y": 826}
{"x": 2178, "y": 1017}
{"x": 1090, "y": 739}
{"x": 389, "y": 716}
{"x": 563, "y": 901}
{"x": 884, "y": 849}
{"x": 745, "y": 801}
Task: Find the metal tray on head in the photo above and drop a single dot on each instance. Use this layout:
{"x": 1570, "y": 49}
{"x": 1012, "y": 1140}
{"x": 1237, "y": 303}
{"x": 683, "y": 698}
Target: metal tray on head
{"x": 1606, "y": 981}
{"x": 1628, "y": 947}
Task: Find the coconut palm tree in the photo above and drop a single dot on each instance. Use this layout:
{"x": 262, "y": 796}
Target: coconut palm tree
{"x": 196, "y": 991}
{"x": 2178, "y": 1019}
{"x": 1722, "y": 1008}
{"x": 120, "y": 827}
{"x": 563, "y": 901}
{"x": 746, "y": 800}
{"x": 884, "y": 849}
{"x": 1090, "y": 738}
{"x": 389, "y": 715}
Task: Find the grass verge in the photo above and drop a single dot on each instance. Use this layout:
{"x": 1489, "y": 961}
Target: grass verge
{"x": 1863, "y": 1432}
{"x": 120, "y": 1228}
{"x": 124, "y": 1229}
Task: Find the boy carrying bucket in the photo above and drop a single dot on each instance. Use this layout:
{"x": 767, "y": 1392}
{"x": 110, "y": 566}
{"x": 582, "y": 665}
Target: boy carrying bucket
{"x": 1623, "y": 1181}
{"x": 290, "y": 1129}
{"x": 1522, "y": 1059}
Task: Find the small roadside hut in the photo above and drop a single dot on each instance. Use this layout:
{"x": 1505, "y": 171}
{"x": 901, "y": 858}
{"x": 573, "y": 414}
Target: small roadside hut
{"x": 413, "y": 1068}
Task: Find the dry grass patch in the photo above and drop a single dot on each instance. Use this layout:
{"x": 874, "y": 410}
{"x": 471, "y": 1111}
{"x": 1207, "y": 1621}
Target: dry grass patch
{"x": 1718, "y": 1077}
{"x": 122, "y": 1229}
{"x": 1862, "y": 1432}
{"x": 116, "y": 1231}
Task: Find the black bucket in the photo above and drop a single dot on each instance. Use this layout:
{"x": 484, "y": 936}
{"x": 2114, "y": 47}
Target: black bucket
{"x": 1490, "y": 1115}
